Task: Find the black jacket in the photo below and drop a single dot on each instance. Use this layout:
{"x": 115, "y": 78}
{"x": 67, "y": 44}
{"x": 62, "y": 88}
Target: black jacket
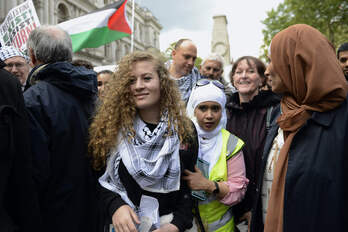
{"x": 248, "y": 122}
{"x": 19, "y": 209}
{"x": 178, "y": 202}
{"x": 60, "y": 104}
{"x": 315, "y": 187}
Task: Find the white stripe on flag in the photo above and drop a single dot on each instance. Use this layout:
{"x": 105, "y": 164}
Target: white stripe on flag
{"x": 87, "y": 22}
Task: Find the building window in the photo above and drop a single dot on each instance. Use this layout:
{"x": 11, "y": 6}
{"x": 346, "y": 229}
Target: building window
{"x": 135, "y": 30}
{"x": 108, "y": 50}
{"x": 140, "y": 32}
{"x": 126, "y": 49}
{"x": 118, "y": 51}
{"x": 155, "y": 40}
{"x": 63, "y": 13}
{"x": 36, "y": 4}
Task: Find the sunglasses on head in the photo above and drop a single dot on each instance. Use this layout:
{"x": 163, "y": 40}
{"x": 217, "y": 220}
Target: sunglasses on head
{"x": 203, "y": 82}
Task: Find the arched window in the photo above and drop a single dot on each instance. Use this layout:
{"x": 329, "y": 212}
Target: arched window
{"x": 63, "y": 13}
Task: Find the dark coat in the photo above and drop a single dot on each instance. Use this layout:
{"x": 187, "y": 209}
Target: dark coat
{"x": 315, "y": 187}
{"x": 60, "y": 105}
{"x": 248, "y": 122}
{"x": 178, "y": 202}
{"x": 19, "y": 210}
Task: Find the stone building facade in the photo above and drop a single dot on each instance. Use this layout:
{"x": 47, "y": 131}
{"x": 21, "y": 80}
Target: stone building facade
{"x": 146, "y": 26}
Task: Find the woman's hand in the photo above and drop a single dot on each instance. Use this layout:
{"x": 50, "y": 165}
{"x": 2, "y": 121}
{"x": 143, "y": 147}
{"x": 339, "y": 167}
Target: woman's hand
{"x": 124, "y": 218}
{"x": 167, "y": 228}
{"x": 197, "y": 181}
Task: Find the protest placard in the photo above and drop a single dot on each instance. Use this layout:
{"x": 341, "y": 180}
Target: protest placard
{"x": 19, "y": 22}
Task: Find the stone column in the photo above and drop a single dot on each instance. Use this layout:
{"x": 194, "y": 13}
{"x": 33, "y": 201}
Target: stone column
{"x": 220, "y": 42}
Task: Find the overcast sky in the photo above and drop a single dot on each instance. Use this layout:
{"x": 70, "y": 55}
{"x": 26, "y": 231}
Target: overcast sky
{"x": 193, "y": 19}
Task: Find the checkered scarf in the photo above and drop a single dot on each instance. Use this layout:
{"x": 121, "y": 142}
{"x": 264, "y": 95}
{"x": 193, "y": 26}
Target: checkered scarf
{"x": 151, "y": 158}
{"x": 186, "y": 83}
{"x": 9, "y": 51}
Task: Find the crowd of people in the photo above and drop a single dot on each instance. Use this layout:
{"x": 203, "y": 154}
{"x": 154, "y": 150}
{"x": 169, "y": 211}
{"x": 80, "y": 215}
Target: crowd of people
{"x": 170, "y": 147}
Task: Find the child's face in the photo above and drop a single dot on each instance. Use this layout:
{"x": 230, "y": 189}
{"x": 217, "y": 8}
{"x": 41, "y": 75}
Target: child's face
{"x": 208, "y": 115}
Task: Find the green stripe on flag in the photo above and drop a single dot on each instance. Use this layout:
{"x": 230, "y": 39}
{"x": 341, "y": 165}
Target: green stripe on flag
{"x": 95, "y": 38}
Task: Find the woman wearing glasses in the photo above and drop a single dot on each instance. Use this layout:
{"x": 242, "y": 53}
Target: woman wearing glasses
{"x": 142, "y": 135}
{"x": 219, "y": 177}
{"x": 249, "y": 112}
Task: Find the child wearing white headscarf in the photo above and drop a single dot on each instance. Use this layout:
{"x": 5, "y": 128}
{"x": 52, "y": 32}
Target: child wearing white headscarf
{"x": 221, "y": 172}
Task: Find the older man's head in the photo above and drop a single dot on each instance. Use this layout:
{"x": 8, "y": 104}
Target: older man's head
{"x": 16, "y": 62}
{"x": 212, "y": 66}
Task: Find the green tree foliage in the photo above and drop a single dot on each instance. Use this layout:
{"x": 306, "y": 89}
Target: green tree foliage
{"x": 168, "y": 51}
{"x": 198, "y": 62}
{"x": 330, "y": 17}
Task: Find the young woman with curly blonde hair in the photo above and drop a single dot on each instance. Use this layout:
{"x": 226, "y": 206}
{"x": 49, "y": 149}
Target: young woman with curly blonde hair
{"x": 142, "y": 136}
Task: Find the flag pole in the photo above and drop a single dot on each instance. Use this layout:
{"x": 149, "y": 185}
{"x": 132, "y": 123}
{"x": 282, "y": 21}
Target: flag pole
{"x": 132, "y": 36}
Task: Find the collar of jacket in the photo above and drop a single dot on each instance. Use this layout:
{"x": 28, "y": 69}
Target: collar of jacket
{"x": 262, "y": 100}
{"x": 32, "y": 75}
{"x": 323, "y": 118}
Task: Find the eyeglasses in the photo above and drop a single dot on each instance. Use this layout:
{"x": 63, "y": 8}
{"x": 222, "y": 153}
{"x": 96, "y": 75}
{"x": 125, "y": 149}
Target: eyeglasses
{"x": 17, "y": 65}
{"x": 203, "y": 82}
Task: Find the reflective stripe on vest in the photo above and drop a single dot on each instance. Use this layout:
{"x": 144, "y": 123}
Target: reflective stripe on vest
{"x": 215, "y": 215}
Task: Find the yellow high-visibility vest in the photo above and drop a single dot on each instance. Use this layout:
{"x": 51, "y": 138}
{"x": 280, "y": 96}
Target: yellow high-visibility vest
{"x": 215, "y": 215}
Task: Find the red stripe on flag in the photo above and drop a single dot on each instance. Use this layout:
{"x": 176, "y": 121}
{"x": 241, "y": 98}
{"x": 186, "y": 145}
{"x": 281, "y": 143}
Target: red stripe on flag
{"x": 118, "y": 21}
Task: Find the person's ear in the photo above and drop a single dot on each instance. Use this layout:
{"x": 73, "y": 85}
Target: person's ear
{"x": 231, "y": 80}
{"x": 173, "y": 53}
{"x": 32, "y": 56}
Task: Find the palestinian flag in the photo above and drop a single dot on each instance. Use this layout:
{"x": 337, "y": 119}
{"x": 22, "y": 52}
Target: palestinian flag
{"x": 99, "y": 27}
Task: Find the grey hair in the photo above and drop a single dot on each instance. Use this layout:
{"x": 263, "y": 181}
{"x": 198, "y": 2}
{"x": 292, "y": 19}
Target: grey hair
{"x": 50, "y": 44}
{"x": 216, "y": 57}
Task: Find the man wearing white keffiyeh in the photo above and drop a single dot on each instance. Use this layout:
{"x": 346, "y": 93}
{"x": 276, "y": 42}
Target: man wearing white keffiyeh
{"x": 142, "y": 135}
{"x": 181, "y": 67}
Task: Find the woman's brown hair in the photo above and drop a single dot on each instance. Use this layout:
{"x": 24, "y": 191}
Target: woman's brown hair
{"x": 117, "y": 111}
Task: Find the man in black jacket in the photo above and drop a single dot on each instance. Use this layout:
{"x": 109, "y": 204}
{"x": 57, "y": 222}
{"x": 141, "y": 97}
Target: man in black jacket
{"x": 60, "y": 103}
{"x": 19, "y": 209}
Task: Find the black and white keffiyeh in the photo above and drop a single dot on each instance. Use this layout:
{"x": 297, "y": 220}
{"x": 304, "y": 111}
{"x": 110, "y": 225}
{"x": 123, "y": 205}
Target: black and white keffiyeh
{"x": 151, "y": 158}
{"x": 7, "y": 52}
{"x": 186, "y": 83}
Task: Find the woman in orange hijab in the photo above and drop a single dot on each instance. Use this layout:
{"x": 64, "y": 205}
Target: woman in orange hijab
{"x": 304, "y": 174}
